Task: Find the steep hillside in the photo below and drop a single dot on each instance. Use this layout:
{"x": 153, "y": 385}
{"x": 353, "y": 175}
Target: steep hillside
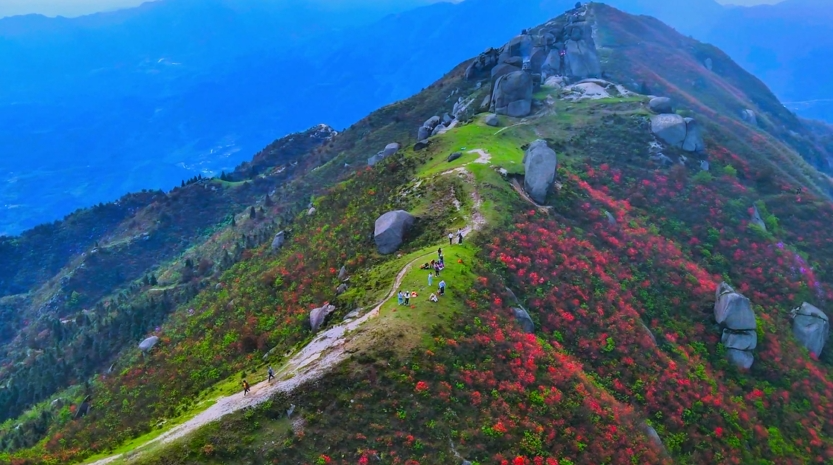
{"x": 658, "y": 296}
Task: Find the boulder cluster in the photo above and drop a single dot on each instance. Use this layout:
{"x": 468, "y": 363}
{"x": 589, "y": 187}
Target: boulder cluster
{"x": 435, "y": 125}
{"x": 733, "y": 312}
{"x": 683, "y": 133}
{"x": 563, "y": 47}
{"x": 389, "y": 150}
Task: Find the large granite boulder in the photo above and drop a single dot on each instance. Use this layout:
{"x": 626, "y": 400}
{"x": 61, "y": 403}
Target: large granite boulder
{"x": 540, "y": 163}
{"x": 148, "y": 343}
{"x": 740, "y": 358}
{"x": 670, "y": 128}
{"x": 811, "y": 327}
{"x": 428, "y": 127}
{"x": 482, "y": 64}
{"x": 279, "y": 240}
{"x": 492, "y": 120}
{"x": 661, "y": 105}
{"x": 520, "y": 46}
{"x": 743, "y": 340}
{"x": 342, "y": 273}
{"x": 318, "y": 315}
{"x": 733, "y": 310}
{"x": 512, "y": 94}
{"x": 694, "y": 137}
{"x": 551, "y": 65}
{"x": 581, "y": 60}
{"x": 390, "y": 230}
{"x": 502, "y": 70}
{"x": 523, "y": 319}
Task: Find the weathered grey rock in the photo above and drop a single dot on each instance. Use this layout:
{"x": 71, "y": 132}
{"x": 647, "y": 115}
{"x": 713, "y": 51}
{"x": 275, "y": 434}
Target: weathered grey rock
{"x": 740, "y": 340}
{"x": 353, "y": 315}
{"x": 447, "y": 119}
{"x": 440, "y": 129}
{"x": 342, "y": 273}
{"x": 502, "y": 70}
{"x": 454, "y": 156}
{"x": 694, "y": 137}
{"x": 555, "y": 81}
{"x": 341, "y": 289}
{"x": 422, "y": 145}
{"x": 750, "y": 117}
{"x": 670, "y": 128}
{"x": 311, "y": 211}
{"x": 756, "y": 218}
{"x": 279, "y": 240}
{"x": 391, "y": 149}
{"x": 523, "y": 318}
{"x": 661, "y": 105}
{"x": 581, "y": 60}
{"x": 512, "y": 95}
{"x": 390, "y": 230}
{"x": 318, "y": 315}
{"x": 57, "y": 403}
{"x": 733, "y": 310}
{"x": 432, "y": 122}
{"x": 540, "y": 163}
{"x": 708, "y": 63}
{"x": 537, "y": 59}
{"x": 424, "y": 132}
{"x": 704, "y": 165}
{"x": 654, "y": 436}
{"x": 520, "y": 46}
{"x": 611, "y": 220}
{"x": 492, "y": 120}
{"x": 811, "y": 327}
{"x": 486, "y": 103}
{"x": 148, "y": 343}
{"x": 551, "y": 65}
{"x": 740, "y": 358}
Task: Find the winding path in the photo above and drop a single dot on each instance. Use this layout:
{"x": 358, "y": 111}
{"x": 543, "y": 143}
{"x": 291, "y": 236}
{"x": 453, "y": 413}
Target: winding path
{"x": 325, "y": 351}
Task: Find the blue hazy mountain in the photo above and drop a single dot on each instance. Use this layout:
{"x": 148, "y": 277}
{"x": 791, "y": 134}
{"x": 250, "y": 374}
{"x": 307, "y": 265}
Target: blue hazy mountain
{"x": 96, "y": 106}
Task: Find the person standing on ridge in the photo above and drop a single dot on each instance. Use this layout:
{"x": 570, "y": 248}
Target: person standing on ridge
{"x": 430, "y": 279}
{"x": 442, "y": 287}
{"x": 400, "y": 298}
{"x": 450, "y": 239}
{"x": 245, "y": 387}
{"x": 271, "y": 374}
{"x": 407, "y": 297}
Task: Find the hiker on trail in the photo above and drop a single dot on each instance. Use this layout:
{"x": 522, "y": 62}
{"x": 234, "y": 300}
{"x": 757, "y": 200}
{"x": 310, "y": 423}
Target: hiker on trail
{"x": 245, "y": 387}
{"x": 450, "y": 239}
{"x": 407, "y": 298}
{"x": 440, "y": 253}
{"x": 442, "y": 287}
{"x": 442, "y": 262}
{"x": 400, "y": 298}
{"x": 430, "y": 279}
{"x": 271, "y": 374}
{"x": 460, "y": 236}
{"x": 433, "y": 298}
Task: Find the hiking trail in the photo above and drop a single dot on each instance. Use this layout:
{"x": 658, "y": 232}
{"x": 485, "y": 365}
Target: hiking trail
{"x": 325, "y": 351}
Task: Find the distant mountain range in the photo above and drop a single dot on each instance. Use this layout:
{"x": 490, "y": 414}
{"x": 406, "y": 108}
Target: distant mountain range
{"x": 97, "y": 106}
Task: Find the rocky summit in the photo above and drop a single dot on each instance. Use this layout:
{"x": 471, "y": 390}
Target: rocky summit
{"x": 598, "y": 242}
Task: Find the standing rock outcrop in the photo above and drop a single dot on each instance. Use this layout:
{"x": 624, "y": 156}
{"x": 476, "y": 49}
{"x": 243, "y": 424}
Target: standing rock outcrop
{"x": 679, "y": 132}
{"x": 148, "y": 343}
{"x": 492, "y": 120}
{"x": 342, "y": 273}
{"x": 540, "y": 163}
{"x": 749, "y": 116}
{"x": 811, "y": 327}
{"x": 390, "y": 230}
{"x": 734, "y": 313}
{"x": 661, "y": 105}
{"x": 581, "y": 58}
{"x": 512, "y": 94}
{"x": 279, "y": 240}
{"x": 756, "y": 219}
{"x": 318, "y": 315}
{"x": 523, "y": 318}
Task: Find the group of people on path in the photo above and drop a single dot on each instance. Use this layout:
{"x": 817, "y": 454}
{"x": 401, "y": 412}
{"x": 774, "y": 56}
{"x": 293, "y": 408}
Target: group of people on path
{"x": 459, "y": 235}
{"x": 247, "y": 387}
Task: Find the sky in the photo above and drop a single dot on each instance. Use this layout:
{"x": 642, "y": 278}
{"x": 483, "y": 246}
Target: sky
{"x": 82, "y": 7}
